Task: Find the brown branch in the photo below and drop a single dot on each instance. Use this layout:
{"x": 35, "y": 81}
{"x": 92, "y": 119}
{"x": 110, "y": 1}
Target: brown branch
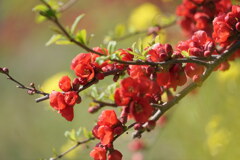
{"x": 31, "y": 89}
{"x": 72, "y": 148}
{"x": 55, "y": 20}
{"x": 89, "y": 84}
{"x": 192, "y": 59}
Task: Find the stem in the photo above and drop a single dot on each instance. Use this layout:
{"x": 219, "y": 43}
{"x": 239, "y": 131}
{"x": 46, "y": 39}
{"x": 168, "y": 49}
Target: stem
{"x": 72, "y": 148}
{"x": 33, "y": 90}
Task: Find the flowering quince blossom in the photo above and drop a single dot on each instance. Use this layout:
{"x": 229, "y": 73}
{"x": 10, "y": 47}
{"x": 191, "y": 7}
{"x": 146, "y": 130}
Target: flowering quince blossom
{"x": 199, "y": 14}
{"x": 64, "y": 102}
{"x": 107, "y": 126}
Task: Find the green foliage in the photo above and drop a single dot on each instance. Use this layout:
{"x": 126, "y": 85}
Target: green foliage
{"x": 75, "y": 23}
{"x": 185, "y": 53}
{"x": 111, "y": 47}
{"x": 74, "y": 135}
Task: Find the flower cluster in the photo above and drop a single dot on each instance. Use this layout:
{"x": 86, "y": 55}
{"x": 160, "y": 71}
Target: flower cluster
{"x": 199, "y": 14}
{"x": 227, "y": 27}
{"x": 107, "y": 127}
{"x": 64, "y": 102}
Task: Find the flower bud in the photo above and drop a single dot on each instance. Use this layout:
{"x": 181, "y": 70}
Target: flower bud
{"x": 238, "y": 26}
{"x": 5, "y": 70}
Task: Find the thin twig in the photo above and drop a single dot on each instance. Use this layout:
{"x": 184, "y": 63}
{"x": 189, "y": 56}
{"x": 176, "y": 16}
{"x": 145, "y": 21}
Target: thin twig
{"x": 72, "y": 148}
{"x": 32, "y": 90}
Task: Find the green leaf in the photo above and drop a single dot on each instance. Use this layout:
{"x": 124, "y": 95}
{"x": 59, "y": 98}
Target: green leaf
{"x": 114, "y": 56}
{"x": 185, "y": 53}
{"x": 81, "y": 36}
{"x": 39, "y": 8}
{"x": 53, "y": 39}
{"x": 75, "y": 23}
{"x": 136, "y": 55}
{"x": 63, "y": 42}
{"x": 100, "y": 60}
{"x": 79, "y": 132}
{"x": 86, "y": 133}
{"x": 94, "y": 92}
{"x": 140, "y": 45}
{"x": 71, "y": 135}
{"x": 111, "y": 47}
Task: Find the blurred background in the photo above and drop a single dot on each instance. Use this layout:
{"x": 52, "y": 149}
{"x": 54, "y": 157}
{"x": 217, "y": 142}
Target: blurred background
{"x": 205, "y": 125}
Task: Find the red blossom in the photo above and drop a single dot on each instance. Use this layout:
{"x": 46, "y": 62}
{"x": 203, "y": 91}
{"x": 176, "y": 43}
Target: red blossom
{"x": 67, "y": 113}
{"x": 84, "y": 71}
{"x": 98, "y": 153}
{"x": 108, "y": 118}
{"x": 65, "y": 83}
{"x": 141, "y": 110}
{"x": 57, "y": 100}
{"x": 71, "y": 98}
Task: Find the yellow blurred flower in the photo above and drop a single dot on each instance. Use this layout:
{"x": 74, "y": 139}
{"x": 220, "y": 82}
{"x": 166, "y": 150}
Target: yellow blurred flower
{"x": 143, "y": 16}
{"x": 217, "y": 138}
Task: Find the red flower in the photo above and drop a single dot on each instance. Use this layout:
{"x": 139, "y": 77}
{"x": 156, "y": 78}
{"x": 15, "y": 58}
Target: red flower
{"x": 160, "y": 52}
{"x": 82, "y": 58}
{"x": 57, "y": 100}
{"x": 119, "y": 98}
{"x": 108, "y": 118}
{"x": 105, "y": 134}
{"x": 84, "y": 71}
{"x": 163, "y": 78}
{"x": 141, "y": 110}
{"x": 98, "y": 153}
{"x": 192, "y": 69}
{"x": 115, "y": 155}
{"x": 71, "y": 98}
{"x": 67, "y": 113}
{"x": 65, "y": 83}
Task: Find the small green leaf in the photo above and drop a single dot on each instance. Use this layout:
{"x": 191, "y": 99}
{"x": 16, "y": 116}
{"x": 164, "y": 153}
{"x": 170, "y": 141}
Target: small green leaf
{"x": 81, "y": 36}
{"x": 63, "y": 42}
{"x": 111, "y": 47}
{"x": 140, "y": 45}
{"x": 86, "y": 133}
{"x": 136, "y": 55}
{"x": 75, "y": 23}
{"x": 94, "y": 92}
{"x": 39, "y": 8}
{"x": 100, "y": 60}
{"x": 114, "y": 56}
{"x": 53, "y": 39}
{"x": 185, "y": 53}
{"x": 79, "y": 132}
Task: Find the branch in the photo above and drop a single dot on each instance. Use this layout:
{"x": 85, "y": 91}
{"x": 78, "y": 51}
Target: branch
{"x": 56, "y": 21}
{"x": 31, "y": 90}
{"x": 192, "y": 59}
{"x": 72, "y": 148}
{"x": 162, "y": 108}
{"x": 89, "y": 84}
